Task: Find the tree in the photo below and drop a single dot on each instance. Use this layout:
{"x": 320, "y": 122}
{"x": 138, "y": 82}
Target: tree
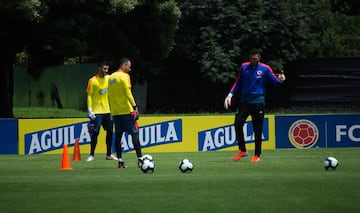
{"x": 225, "y": 31}
{"x": 348, "y": 7}
{"x": 50, "y": 32}
{"x": 142, "y": 30}
{"x": 16, "y": 19}
{"x": 342, "y": 36}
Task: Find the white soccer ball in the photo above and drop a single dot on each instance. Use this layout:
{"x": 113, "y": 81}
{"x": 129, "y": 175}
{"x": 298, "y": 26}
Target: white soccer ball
{"x": 186, "y": 165}
{"x": 147, "y": 157}
{"x": 331, "y": 163}
{"x": 147, "y": 166}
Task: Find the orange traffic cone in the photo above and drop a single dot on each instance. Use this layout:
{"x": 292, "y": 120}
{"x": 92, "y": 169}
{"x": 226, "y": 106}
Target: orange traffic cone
{"x": 65, "y": 162}
{"x": 76, "y": 155}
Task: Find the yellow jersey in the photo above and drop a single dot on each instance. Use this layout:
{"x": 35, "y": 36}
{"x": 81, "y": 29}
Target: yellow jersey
{"x": 97, "y": 94}
{"x": 121, "y": 99}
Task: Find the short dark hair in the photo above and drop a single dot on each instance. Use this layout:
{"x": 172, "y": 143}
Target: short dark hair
{"x": 123, "y": 61}
{"x": 104, "y": 63}
{"x": 254, "y": 51}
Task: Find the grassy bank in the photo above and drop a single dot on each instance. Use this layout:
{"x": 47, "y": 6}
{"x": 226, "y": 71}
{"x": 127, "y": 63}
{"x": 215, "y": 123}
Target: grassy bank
{"x": 34, "y": 112}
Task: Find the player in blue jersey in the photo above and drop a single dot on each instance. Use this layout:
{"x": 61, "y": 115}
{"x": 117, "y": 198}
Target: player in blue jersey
{"x": 251, "y": 82}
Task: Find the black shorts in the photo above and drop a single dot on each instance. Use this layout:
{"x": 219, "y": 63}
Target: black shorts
{"x": 103, "y": 120}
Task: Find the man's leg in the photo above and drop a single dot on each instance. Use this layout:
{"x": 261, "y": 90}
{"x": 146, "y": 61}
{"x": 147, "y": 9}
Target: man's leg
{"x": 258, "y": 120}
{"x": 240, "y": 119}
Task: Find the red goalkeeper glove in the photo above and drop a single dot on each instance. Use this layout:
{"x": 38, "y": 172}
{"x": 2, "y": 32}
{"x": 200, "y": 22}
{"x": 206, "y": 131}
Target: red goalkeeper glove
{"x": 135, "y": 113}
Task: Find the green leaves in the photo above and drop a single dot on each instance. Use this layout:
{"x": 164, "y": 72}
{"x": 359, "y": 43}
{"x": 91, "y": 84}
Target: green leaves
{"x": 342, "y": 37}
{"x": 219, "y": 34}
{"x": 122, "y": 6}
{"x": 89, "y": 31}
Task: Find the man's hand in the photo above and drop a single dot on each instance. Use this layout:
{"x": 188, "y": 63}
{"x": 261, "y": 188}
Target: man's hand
{"x": 227, "y": 101}
{"x": 281, "y": 76}
{"x": 91, "y": 114}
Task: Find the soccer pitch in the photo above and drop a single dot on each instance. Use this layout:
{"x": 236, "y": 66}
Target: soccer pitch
{"x": 286, "y": 180}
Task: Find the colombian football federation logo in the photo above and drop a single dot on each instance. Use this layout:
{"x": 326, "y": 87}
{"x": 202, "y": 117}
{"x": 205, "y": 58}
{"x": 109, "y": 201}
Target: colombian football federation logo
{"x": 303, "y": 134}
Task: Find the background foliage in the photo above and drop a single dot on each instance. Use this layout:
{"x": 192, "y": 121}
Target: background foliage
{"x": 213, "y": 35}
{"x": 285, "y": 31}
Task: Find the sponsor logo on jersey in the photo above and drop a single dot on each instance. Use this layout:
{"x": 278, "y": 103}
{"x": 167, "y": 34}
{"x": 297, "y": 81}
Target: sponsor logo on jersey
{"x": 103, "y": 91}
{"x": 112, "y": 81}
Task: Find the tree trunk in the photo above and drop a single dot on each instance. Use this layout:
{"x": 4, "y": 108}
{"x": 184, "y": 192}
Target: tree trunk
{"x": 6, "y": 85}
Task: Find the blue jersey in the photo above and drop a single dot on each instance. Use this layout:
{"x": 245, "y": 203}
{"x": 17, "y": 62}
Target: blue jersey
{"x": 251, "y": 82}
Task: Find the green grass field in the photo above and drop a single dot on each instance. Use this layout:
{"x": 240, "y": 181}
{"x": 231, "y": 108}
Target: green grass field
{"x": 287, "y": 180}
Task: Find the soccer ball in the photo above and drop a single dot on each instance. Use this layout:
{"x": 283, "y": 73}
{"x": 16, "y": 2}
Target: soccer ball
{"x": 331, "y": 163}
{"x": 186, "y": 165}
{"x": 147, "y": 166}
{"x": 147, "y": 157}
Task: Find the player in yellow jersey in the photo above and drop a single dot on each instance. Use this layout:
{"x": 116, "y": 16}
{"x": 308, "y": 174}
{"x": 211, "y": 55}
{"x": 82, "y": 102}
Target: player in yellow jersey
{"x": 99, "y": 110}
{"x": 123, "y": 109}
